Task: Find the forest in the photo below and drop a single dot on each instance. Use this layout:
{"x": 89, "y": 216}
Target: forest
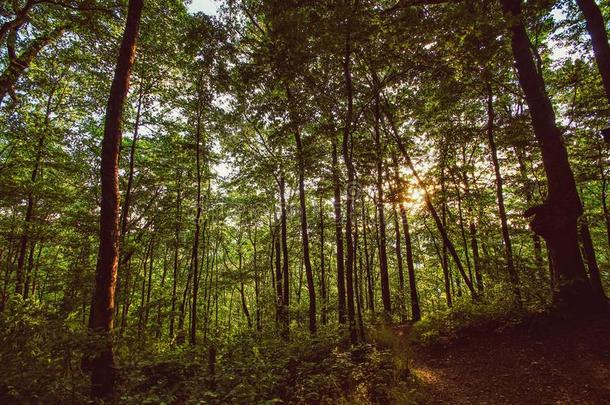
{"x": 311, "y": 202}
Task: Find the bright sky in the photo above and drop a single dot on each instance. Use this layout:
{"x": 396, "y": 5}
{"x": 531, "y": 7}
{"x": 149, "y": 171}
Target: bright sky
{"x": 206, "y": 6}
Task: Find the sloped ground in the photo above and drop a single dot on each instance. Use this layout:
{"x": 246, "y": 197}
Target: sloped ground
{"x": 542, "y": 360}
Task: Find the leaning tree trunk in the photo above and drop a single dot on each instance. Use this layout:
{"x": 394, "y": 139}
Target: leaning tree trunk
{"x": 599, "y": 39}
{"x": 103, "y": 373}
{"x": 508, "y": 249}
{"x": 428, "y": 199}
{"x": 556, "y": 219}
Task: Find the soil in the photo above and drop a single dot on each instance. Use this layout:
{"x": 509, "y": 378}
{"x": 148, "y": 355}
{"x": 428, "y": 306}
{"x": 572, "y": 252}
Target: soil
{"x": 541, "y": 360}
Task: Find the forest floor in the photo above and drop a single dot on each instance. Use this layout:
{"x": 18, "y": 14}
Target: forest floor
{"x": 540, "y": 360}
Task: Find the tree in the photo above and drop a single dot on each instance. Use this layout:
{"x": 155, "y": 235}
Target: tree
{"x": 556, "y": 219}
{"x": 103, "y": 373}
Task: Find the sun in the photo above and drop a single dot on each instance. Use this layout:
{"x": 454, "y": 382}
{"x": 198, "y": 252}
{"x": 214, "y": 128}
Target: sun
{"x": 414, "y": 197}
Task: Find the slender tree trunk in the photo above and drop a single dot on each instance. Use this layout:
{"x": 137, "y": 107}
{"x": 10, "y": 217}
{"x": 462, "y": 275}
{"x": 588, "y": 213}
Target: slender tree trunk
{"x": 305, "y": 234}
{"x": 149, "y": 287}
{"x": 508, "y": 249}
{"x": 383, "y": 256}
{"x": 474, "y": 243}
{"x": 103, "y": 374}
{"x": 367, "y": 258}
{"x": 323, "y": 314}
{"x": 415, "y": 309}
{"x": 463, "y": 231}
{"x": 339, "y": 238}
{"x": 357, "y": 273}
{"x": 556, "y": 219}
{"x": 399, "y": 264}
{"x": 159, "y": 330}
{"x": 195, "y": 253}
{"x": 279, "y": 276}
{"x": 176, "y": 251}
{"x": 126, "y": 256}
{"x": 445, "y": 256}
{"x": 604, "y": 197}
{"x": 285, "y": 268}
{"x": 351, "y": 186}
{"x": 599, "y": 39}
{"x": 591, "y": 260}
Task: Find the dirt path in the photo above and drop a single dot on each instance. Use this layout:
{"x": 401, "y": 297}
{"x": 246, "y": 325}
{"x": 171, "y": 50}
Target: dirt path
{"x": 541, "y": 361}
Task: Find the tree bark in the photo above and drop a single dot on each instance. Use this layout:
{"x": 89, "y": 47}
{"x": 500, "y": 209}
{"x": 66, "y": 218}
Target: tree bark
{"x": 599, "y": 39}
{"x": 305, "y": 234}
{"x": 339, "y": 238}
{"x": 195, "y": 253}
{"x": 176, "y": 251}
{"x": 285, "y": 268}
{"x": 351, "y": 186}
{"x": 591, "y": 260}
{"x": 508, "y": 249}
{"x": 556, "y": 219}
{"x": 383, "y": 255}
{"x": 324, "y": 309}
{"x": 103, "y": 373}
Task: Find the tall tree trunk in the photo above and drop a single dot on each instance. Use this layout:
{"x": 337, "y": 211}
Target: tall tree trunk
{"x": 357, "y": 273}
{"x": 415, "y": 309}
{"x": 176, "y": 251}
{"x": 508, "y": 249}
{"x": 604, "y": 197}
{"x": 367, "y": 258}
{"x": 599, "y": 39}
{"x": 339, "y": 237}
{"x": 399, "y": 263}
{"x": 126, "y": 256}
{"x": 195, "y": 253}
{"x": 103, "y": 374}
{"x": 351, "y": 186}
{"x": 305, "y": 234}
{"x": 278, "y": 272}
{"x": 474, "y": 243}
{"x": 324, "y": 309}
{"x": 444, "y": 255}
{"x": 383, "y": 255}
{"x": 285, "y": 268}
{"x": 556, "y": 219}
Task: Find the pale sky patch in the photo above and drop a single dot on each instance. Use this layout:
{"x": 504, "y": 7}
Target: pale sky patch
{"x": 209, "y": 7}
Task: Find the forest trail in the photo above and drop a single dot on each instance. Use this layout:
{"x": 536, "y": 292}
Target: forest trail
{"x": 539, "y": 361}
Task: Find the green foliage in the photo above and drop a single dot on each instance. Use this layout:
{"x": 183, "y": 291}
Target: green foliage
{"x": 442, "y": 325}
{"x": 259, "y": 369}
{"x": 41, "y": 355}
